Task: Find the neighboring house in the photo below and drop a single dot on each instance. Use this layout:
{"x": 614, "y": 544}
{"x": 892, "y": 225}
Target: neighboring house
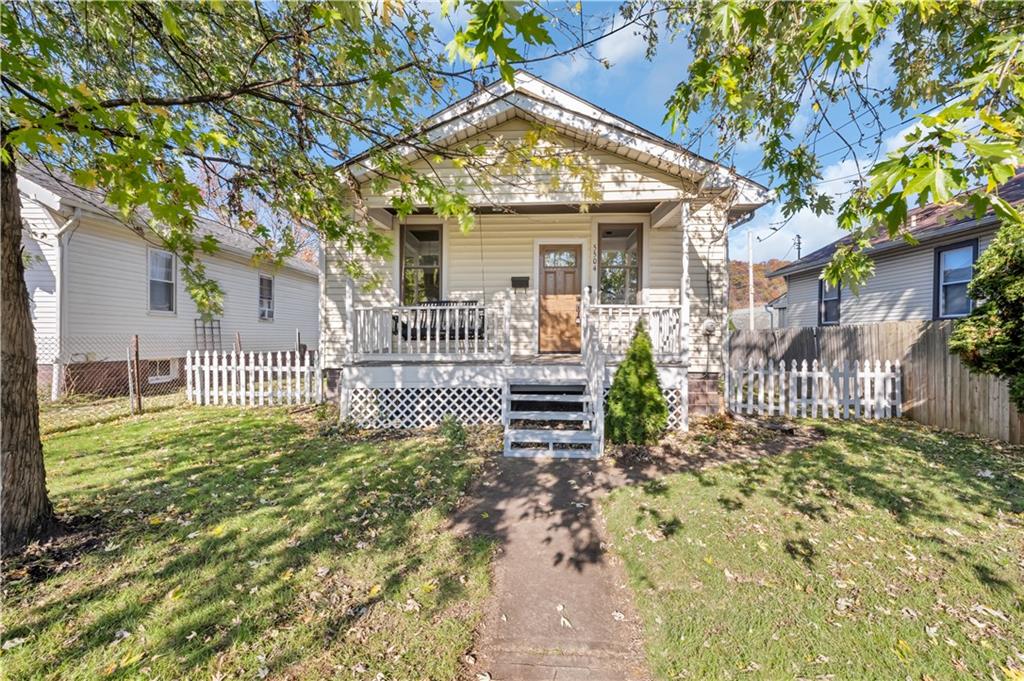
{"x": 910, "y": 282}
{"x": 94, "y": 282}
{"x": 763, "y": 318}
{"x": 514, "y": 320}
{"x": 776, "y": 307}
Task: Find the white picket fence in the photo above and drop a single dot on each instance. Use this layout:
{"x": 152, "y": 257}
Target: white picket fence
{"x": 254, "y": 379}
{"x": 840, "y": 391}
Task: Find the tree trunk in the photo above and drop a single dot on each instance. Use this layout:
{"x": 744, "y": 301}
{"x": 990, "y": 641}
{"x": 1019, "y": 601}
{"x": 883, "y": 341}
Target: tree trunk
{"x": 25, "y": 510}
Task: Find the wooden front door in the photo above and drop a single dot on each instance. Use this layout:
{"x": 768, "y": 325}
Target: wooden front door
{"x": 561, "y": 278}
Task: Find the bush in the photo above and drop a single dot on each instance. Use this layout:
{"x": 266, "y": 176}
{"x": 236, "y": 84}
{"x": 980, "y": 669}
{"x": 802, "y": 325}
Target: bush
{"x": 637, "y": 411}
{"x": 452, "y": 431}
{"x": 991, "y": 339}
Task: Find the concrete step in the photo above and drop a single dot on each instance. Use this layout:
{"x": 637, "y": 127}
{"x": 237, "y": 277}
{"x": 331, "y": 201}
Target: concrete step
{"x": 550, "y": 415}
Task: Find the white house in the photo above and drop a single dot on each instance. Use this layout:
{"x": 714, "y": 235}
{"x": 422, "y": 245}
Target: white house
{"x": 523, "y": 318}
{"x": 927, "y": 280}
{"x": 94, "y": 282}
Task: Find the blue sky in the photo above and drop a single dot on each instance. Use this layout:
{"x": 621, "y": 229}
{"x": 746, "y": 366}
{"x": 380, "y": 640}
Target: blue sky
{"x": 637, "y": 88}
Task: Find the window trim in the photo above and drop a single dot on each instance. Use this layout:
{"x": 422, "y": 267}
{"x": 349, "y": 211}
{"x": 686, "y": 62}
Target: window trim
{"x": 440, "y": 258}
{"x": 821, "y": 304}
{"x": 937, "y": 278}
{"x": 259, "y": 296}
{"x": 639, "y": 226}
{"x": 173, "y": 312}
{"x": 171, "y": 375}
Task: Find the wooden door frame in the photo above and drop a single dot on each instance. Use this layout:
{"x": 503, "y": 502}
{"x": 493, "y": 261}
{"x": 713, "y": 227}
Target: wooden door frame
{"x": 586, "y": 265}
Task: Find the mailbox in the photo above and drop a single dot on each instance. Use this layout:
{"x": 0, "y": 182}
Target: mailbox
{"x": 520, "y": 283}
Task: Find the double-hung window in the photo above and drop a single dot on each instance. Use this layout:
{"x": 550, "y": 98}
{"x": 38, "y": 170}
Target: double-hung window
{"x": 421, "y": 264}
{"x": 619, "y": 264}
{"x": 828, "y": 303}
{"x": 266, "y": 298}
{"x": 954, "y": 267}
{"x": 161, "y": 281}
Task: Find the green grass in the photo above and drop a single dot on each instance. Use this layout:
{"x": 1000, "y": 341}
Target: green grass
{"x": 75, "y": 411}
{"x": 238, "y": 544}
{"x": 885, "y": 551}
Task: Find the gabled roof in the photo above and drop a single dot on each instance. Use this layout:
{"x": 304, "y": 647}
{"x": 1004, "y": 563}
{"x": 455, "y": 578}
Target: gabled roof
{"x": 535, "y": 99}
{"x": 57, "y": 191}
{"x": 933, "y": 221}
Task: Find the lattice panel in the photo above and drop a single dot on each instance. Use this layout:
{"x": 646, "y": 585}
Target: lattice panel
{"x": 423, "y": 407}
{"x": 673, "y": 396}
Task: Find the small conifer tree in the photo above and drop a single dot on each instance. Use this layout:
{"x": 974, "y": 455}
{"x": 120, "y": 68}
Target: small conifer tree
{"x": 637, "y": 411}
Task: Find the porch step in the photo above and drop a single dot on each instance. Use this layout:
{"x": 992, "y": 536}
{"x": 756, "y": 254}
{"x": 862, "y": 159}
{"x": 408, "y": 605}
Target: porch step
{"x": 553, "y": 436}
{"x": 549, "y": 416}
{"x": 548, "y": 397}
{"x": 533, "y": 452}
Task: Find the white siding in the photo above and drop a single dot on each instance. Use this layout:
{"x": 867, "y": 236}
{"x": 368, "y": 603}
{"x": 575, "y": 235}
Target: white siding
{"x": 901, "y": 288}
{"x": 40, "y": 243}
{"x": 620, "y": 179}
{"x": 106, "y": 296}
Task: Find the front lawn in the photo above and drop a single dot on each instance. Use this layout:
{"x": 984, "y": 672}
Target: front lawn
{"x": 884, "y": 551}
{"x": 241, "y": 544}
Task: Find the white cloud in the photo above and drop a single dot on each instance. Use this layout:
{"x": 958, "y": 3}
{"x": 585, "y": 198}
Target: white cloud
{"x": 621, "y": 47}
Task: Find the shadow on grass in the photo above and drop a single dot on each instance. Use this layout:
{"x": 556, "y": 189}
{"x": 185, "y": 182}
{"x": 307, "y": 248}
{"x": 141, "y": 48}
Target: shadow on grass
{"x": 209, "y": 522}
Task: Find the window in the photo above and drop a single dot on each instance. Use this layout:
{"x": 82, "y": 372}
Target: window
{"x": 619, "y": 264}
{"x": 266, "y": 298}
{"x": 954, "y": 267}
{"x": 162, "y": 370}
{"x": 161, "y": 281}
{"x": 421, "y": 264}
{"x": 828, "y": 304}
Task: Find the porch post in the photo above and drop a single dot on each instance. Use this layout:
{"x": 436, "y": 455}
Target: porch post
{"x": 350, "y": 331}
{"x": 684, "y": 315}
{"x": 507, "y": 323}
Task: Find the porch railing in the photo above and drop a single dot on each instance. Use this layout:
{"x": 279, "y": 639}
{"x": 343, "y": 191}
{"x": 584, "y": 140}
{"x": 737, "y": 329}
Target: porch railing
{"x": 452, "y": 331}
{"x": 614, "y": 325}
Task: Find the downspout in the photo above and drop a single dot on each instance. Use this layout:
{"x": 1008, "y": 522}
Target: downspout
{"x": 56, "y": 378}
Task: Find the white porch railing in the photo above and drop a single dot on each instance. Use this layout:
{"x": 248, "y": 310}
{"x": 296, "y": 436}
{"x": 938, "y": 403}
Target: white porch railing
{"x": 614, "y": 325}
{"x": 456, "y": 331}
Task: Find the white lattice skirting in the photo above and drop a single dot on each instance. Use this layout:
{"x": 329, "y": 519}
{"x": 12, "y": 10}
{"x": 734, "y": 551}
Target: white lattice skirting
{"x": 425, "y": 407}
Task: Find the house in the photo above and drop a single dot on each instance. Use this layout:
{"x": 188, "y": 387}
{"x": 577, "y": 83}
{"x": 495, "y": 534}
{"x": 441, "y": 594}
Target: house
{"x": 94, "y": 283}
{"x": 763, "y": 317}
{"x": 523, "y": 318}
{"x": 924, "y": 281}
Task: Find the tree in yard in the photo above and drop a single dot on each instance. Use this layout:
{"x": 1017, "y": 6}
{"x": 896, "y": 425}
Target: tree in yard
{"x": 259, "y": 104}
{"x": 800, "y": 77}
{"x": 992, "y": 338}
{"x": 637, "y": 411}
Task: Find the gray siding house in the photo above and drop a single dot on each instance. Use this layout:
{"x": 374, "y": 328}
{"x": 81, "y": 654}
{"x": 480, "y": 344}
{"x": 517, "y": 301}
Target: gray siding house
{"x": 911, "y": 282}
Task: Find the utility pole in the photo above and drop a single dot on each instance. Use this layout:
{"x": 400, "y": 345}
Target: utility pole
{"x": 797, "y": 246}
{"x": 750, "y": 276}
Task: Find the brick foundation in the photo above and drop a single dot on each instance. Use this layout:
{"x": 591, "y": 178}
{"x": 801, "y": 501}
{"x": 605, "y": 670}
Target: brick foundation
{"x": 111, "y": 379}
{"x": 705, "y": 395}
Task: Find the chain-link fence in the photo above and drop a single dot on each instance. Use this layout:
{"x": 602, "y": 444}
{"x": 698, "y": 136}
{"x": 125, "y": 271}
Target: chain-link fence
{"x": 86, "y": 379}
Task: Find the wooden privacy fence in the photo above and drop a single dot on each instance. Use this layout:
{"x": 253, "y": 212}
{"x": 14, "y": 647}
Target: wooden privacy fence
{"x": 840, "y": 391}
{"x": 938, "y": 390}
{"x": 253, "y": 378}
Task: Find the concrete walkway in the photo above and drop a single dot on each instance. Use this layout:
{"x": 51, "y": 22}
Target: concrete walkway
{"x": 561, "y": 608}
